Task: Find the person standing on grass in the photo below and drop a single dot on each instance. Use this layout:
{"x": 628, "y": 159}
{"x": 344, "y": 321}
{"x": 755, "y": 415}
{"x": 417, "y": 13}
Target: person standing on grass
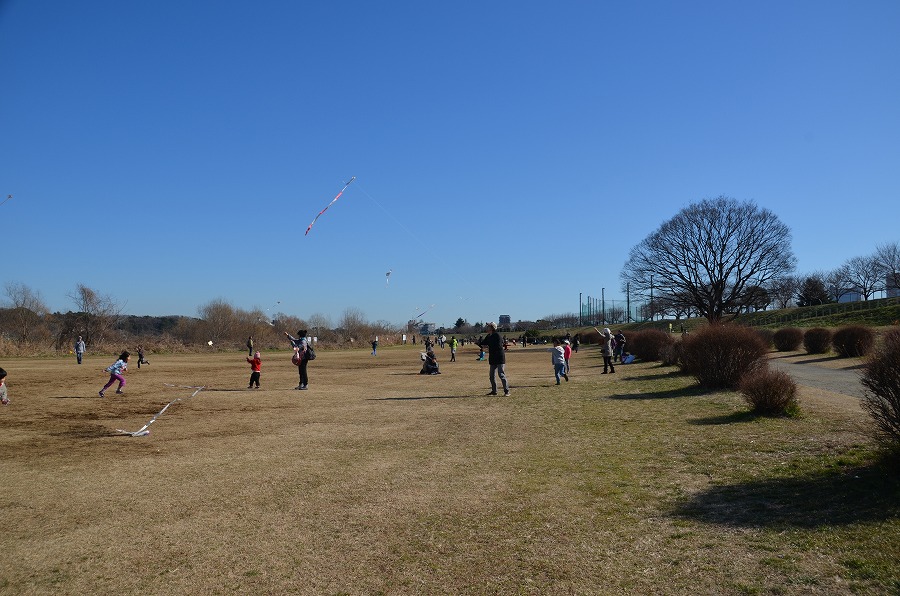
{"x": 301, "y": 356}
{"x": 255, "y": 370}
{"x": 454, "y": 343}
{"x": 496, "y": 358}
{"x": 606, "y": 348}
{"x": 375, "y": 346}
{"x": 4, "y": 398}
{"x": 558, "y": 359}
{"x": 79, "y": 349}
{"x": 567, "y": 351}
{"x": 620, "y": 346}
{"x": 116, "y": 370}
{"x": 250, "y": 346}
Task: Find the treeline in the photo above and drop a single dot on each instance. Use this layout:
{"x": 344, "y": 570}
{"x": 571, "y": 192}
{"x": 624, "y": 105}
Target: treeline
{"x": 27, "y": 328}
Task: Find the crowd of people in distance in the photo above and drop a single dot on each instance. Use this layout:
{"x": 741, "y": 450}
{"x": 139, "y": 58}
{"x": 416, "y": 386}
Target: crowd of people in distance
{"x": 492, "y": 347}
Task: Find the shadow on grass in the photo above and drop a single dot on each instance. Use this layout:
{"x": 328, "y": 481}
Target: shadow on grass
{"x": 690, "y": 391}
{"x": 414, "y": 398}
{"x": 865, "y": 494}
{"x": 733, "y": 418}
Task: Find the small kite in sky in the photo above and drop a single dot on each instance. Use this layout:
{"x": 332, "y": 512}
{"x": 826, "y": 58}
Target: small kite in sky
{"x": 424, "y": 311}
{"x": 8, "y": 197}
{"x": 330, "y": 204}
{"x": 387, "y": 277}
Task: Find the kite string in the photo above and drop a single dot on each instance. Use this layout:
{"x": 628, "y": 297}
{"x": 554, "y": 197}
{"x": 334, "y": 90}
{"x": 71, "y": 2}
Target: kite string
{"x": 418, "y": 240}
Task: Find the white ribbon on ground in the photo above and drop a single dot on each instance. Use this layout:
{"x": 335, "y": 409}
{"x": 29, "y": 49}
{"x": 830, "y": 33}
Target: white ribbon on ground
{"x": 145, "y": 430}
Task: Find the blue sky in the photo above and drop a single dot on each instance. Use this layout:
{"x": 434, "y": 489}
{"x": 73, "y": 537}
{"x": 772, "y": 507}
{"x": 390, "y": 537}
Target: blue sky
{"x": 507, "y": 154}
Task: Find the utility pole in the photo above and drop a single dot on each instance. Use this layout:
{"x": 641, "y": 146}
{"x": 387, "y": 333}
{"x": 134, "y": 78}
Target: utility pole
{"x": 580, "y": 310}
{"x": 628, "y": 301}
{"x": 603, "y": 304}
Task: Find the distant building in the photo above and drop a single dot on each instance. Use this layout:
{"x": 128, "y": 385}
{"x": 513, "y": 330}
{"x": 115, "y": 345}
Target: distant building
{"x": 851, "y": 296}
{"x": 427, "y": 328}
{"x": 505, "y": 321}
{"x": 892, "y": 286}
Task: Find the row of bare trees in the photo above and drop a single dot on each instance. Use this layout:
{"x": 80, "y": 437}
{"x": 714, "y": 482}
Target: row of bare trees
{"x": 27, "y": 326}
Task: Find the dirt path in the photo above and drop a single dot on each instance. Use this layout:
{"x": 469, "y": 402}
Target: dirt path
{"x": 816, "y": 373}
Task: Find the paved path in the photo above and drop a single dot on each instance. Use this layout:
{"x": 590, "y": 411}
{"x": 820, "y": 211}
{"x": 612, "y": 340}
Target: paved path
{"x": 845, "y": 382}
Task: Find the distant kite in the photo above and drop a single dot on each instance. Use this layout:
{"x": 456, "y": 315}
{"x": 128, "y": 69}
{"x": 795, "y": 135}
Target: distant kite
{"x": 330, "y": 204}
{"x": 8, "y": 197}
{"x": 424, "y": 311}
{"x": 387, "y": 277}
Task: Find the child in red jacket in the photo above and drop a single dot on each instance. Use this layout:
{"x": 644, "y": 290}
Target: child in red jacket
{"x": 255, "y": 366}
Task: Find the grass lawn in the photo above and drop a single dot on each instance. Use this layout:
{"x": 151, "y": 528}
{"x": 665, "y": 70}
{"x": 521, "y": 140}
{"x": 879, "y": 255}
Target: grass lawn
{"x": 381, "y": 481}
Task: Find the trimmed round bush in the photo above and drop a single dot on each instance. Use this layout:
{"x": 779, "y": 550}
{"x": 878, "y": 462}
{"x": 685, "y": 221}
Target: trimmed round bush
{"x": 718, "y": 356}
{"x": 817, "y": 340}
{"x": 853, "y": 341}
{"x": 673, "y": 354}
{"x": 788, "y": 339}
{"x": 766, "y": 335}
{"x": 648, "y": 344}
{"x": 882, "y": 398}
{"x": 770, "y": 392}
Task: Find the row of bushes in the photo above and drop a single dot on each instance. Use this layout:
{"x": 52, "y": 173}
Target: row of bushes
{"x": 852, "y": 341}
{"x": 734, "y": 357}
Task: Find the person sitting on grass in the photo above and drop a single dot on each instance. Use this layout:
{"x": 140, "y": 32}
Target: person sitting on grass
{"x": 430, "y": 366}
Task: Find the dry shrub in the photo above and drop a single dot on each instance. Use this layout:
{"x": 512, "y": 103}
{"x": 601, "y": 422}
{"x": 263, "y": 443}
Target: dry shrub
{"x": 853, "y": 341}
{"x": 766, "y": 335}
{"x": 648, "y": 344}
{"x": 590, "y": 337}
{"x": 770, "y": 392}
{"x": 817, "y": 340}
{"x": 673, "y": 354}
{"x": 719, "y": 355}
{"x": 788, "y": 339}
{"x": 882, "y": 380}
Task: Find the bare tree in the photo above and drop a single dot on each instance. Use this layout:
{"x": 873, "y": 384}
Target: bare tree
{"x": 353, "y": 325}
{"x": 864, "y": 276}
{"x": 783, "y": 289}
{"x": 220, "y": 320}
{"x": 97, "y": 313}
{"x": 27, "y": 308}
{"x": 837, "y": 282}
{"x": 888, "y": 256}
{"x": 712, "y": 255}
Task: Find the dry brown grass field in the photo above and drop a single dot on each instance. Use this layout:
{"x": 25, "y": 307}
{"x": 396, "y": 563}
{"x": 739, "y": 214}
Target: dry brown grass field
{"x": 381, "y": 481}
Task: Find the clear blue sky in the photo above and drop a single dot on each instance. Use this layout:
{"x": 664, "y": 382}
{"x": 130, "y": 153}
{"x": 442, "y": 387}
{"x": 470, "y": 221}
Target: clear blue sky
{"x": 508, "y": 154}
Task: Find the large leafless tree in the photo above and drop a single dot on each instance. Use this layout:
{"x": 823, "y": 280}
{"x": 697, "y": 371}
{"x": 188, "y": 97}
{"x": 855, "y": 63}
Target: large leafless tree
{"x": 97, "y": 313}
{"x": 864, "y": 275}
{"x": 713, "y": 256}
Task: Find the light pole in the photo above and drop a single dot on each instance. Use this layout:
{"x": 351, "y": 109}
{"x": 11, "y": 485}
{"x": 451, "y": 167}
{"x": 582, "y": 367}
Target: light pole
{"x": 603, "y": 304}
{"x": 580, "y": 310}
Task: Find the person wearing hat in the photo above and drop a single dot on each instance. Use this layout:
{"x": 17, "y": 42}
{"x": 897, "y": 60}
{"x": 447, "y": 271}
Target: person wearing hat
{"x": 567, "y": 352}
{"x": 606, "y": 347}
{"x": 496, "y": 358}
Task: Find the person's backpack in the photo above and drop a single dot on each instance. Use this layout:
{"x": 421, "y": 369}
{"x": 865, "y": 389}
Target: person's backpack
{"x": 310, "y": 353}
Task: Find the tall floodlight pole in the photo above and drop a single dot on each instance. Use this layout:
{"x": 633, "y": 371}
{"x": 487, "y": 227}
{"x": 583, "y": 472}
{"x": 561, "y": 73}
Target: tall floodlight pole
{"x": 628, "y": 301}
{"x": 603, "y": 304}
{"x": 580, "y": 310}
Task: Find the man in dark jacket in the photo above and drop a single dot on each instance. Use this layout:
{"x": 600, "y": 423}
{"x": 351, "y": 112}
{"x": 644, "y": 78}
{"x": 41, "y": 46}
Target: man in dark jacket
{"x": 496, "y": 358}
